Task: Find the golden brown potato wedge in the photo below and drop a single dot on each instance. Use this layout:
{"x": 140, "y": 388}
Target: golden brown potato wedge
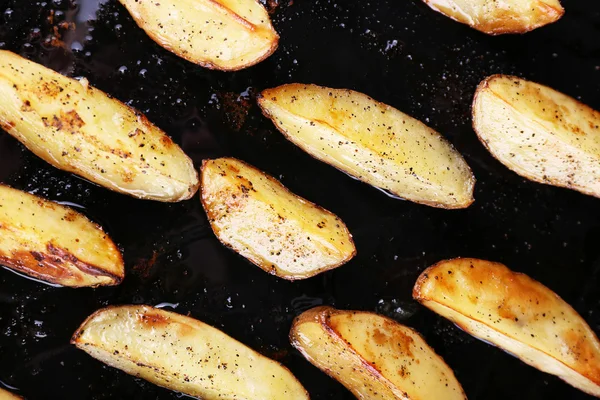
{"x": 539, "y": 133}
{"x": 372, "y": 142}
{"x": 515, "y": 313}
{"x": 6, "y": 395}
{"x": 183, "y": 354}
{"x": 80, "y": 129}
{"x": 373, "y": 356}
{"x": 282, "y": 233}
{"x": 219, "y": 34}
{"x": 497, "y": 17}
{"x": 55, "y": 244}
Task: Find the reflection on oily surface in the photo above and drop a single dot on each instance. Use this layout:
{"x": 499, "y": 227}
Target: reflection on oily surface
{"x": 401, "y": 53}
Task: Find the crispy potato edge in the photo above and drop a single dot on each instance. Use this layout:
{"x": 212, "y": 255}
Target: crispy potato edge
{"x": 84, "y": 267}
{"x": 275, "y": 181}
{"x": 320, "y": 315}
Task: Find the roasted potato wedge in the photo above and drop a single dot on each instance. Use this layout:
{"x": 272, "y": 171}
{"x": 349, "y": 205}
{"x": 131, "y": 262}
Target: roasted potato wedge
{"x": 6, "y": 395}
{"x": 219, "y": 34}
{"x": 81, "y": 130}
{"x": 372, "y": 142}
{"x": 515, "y": 313}
{"x": 373, "y": 356}
{"x": 539, "y": 133}
{"x": 54, "y": 243}
{"x": 183, "y": 354}
{"x": 259, "y": 218}
{"x": 497, "y": 17}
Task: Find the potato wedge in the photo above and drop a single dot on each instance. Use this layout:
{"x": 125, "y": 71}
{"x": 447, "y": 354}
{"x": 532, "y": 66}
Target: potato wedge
{"x": 373, "y": 356}
{"x": 498, "y": 17}
{"x": 515, "y": 313}
{"x": 228, "y": 35}
{"x": 6, "y": 395}
{"x": 55, "y": 244}
{"x": 539, "y": 133}
{"x": 183, "y": 354}
{"x": 372, "y": 142}
{"x": 81, "y": 130}
{"x": 259, "y": 218}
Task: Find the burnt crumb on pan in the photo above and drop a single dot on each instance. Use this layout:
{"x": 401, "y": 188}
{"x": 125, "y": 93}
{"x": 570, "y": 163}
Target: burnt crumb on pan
{"x": 235, "y": 108}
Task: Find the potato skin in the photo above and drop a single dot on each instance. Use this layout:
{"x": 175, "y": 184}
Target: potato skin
{"x": 373, "y": 356}
{"x": 55, "y": 244}
{"x": 227, "y": 35}
{"x": 80, "y": 129}
{"x": 372, "y": 142}
{"x": 539, "y": 133}
{"x": 515, "y": 313}
{"x": 496, "y": 17}
{"x": 183, "y": 354}
{"x": 255, "y": 215}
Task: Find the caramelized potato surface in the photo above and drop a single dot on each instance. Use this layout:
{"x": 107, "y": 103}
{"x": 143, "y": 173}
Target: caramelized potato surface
{"x": 516, "y": 313}
{"x": 55, "y": 244}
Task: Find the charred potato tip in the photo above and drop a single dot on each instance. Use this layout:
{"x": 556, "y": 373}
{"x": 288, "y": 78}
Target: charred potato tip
{"x": 515, "y": 313}
{"x": 259, "y": 218}
{"x": 373, "y": 356}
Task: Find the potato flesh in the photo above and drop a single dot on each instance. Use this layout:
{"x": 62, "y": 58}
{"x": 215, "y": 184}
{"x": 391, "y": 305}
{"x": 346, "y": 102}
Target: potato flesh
{"x": 497, "y": 17}
{"x": 6, "y": 395}
{"x": 277, "y": 230}
{"x": 220, "y": 34}
{"x": 372, "y": 142}
{"x": 183, "y": 354}
{"x": 55, "y": 244}
{"x": 81, "y": 130}
{"x": 517, "y": 314}
{"x": 373, "y": 356}
{"x": 539, "y": 133}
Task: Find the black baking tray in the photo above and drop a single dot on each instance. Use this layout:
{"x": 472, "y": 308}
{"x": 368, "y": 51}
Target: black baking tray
{"x": 399, "y": 52}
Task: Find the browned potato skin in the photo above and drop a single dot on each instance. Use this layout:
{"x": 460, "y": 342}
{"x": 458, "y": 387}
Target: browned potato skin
{"x": 26, "y": 221}
{"x": 513, "y": 305}
{"x": 226, "y": 7}
{"x": 234, "y": 198}
{"x": 570, "y": 174}
{"x": 498, "y": 21}
{"x": 363, "y": 373}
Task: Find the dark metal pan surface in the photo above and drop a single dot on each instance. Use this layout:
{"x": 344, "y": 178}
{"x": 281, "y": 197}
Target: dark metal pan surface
{"x": 399, "y": 52}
